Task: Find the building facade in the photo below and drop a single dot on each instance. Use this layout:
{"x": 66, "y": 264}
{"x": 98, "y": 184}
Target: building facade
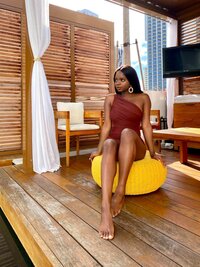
{"x": 155, "y": 36}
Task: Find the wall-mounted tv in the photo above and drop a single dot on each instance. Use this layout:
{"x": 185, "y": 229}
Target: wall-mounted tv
{"x": 181, "y": 61}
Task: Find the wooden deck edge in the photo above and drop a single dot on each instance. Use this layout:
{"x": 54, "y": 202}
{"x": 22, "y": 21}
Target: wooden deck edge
{"x": 5, "y": 162}
{"x": 35, "y": 247}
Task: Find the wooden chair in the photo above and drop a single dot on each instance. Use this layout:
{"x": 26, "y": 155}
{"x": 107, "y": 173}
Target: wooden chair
{"x": 70, "y": 123}
{"x": 155, "y": 119}
{"x": 155, "y": 123}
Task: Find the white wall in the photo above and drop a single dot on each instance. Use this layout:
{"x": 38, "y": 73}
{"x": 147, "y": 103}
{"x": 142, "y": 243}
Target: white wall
{"x": 158, "y": 101}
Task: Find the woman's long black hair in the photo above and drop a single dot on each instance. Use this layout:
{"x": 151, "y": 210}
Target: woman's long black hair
{"x": 131, "y": 76}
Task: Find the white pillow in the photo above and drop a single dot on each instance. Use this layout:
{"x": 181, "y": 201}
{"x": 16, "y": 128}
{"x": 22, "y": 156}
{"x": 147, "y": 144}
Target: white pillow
{"x": 76, "y": 112}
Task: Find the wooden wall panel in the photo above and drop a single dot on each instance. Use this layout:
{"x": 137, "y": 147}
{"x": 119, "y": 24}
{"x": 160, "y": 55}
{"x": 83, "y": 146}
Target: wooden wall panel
{"x": 10, "y": 81}
{"x": 92, "y": 61}
{"x": 187, "y": 115}
{"x": 190, "y": 34}
{"x": 191, "y": 85}
{"x": 78, "y": 66}
{"x": 57, "y": 63}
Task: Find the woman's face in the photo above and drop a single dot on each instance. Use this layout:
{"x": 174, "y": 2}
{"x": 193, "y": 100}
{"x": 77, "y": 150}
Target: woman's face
{"x": 121, "y": 82}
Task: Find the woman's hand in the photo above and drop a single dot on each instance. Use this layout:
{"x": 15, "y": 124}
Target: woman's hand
{"x": 158, "y": 157}
{"x": 94, "y": 154}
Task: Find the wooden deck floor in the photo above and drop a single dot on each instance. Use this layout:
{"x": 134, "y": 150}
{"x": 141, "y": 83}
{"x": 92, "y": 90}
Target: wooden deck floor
{"x": 56, "y": 216}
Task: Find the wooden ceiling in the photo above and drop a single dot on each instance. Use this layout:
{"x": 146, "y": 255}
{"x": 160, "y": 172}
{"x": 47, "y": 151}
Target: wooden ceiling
{"x": 182, "y": 10}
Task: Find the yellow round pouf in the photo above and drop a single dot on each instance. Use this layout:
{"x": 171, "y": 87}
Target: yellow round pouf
{"x": 145, "y": 176}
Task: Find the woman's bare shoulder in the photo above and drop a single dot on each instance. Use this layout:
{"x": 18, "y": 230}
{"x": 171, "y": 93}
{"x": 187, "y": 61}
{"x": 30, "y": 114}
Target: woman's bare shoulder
{"x": 110, "y": 94}
{"x": 145, "y": 97}
{"x": 110, "y": 97}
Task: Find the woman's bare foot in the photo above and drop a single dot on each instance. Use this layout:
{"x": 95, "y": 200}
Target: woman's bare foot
{"x": 106, "y": 229}
{"x": 117, "y": 203}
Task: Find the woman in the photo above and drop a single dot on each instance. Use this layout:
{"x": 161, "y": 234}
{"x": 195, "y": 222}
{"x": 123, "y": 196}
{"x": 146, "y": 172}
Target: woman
{"x": 124, "y": 113}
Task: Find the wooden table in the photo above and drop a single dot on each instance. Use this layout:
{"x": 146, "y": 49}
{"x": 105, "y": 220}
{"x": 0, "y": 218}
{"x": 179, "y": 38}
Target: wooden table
{"x": 183, "y": 135}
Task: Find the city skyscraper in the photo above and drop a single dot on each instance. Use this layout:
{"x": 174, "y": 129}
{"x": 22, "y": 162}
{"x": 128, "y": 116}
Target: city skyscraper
{"x": 155, "y": 35}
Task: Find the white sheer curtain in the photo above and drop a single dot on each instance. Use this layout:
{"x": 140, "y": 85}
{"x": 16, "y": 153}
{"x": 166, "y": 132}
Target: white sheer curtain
{"x": 172, "y": 83}
{"x": 44, "y": 148}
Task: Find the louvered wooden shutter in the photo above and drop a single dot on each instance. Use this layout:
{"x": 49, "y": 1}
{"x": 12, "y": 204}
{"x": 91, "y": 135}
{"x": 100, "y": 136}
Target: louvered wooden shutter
{"x": 190, "y": 31}
{"x": 190, "y": 34}
{"x": 10, "y": 81}
{"x": 57, "y": 63}
{"x": 92, "y": 60}
{"x": 90, "y": 51}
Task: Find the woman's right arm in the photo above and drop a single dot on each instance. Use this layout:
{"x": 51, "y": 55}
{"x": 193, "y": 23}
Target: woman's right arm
{"x": 106, "y": 126}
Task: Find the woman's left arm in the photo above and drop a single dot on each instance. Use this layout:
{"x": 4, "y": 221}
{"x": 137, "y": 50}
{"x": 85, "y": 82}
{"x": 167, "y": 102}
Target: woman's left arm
{"x": 147, "y": 128}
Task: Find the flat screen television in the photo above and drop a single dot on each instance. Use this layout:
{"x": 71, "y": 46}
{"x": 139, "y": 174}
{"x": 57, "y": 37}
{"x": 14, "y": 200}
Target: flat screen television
{"x": 181, "y": 61}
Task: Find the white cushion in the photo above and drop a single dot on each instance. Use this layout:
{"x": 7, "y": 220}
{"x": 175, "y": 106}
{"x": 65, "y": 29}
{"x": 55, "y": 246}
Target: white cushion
{"x": 187, "y": 98}
{"x": 76, "y": 112}
{"x": 154, "y": 123}
{"x": 77, "y": 127}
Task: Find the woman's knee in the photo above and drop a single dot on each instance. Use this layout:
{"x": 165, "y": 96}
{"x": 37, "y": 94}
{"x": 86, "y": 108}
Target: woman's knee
{"x": 129, "y": 135}
{"x": 109, "y": 145}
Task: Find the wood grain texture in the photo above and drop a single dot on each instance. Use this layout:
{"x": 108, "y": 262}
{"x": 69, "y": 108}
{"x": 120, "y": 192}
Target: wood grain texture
{"x": 59, "y": 213}
{"x": 10, "y": 79}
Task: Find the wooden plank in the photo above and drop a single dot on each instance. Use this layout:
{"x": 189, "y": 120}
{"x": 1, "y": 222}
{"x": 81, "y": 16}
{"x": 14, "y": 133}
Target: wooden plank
{"x": 153, "y": 223}
{"x": 180, "y": 191}
{"x": 185, "y": 178}
{"x": 147, "y": 234}
{"x": 41, "y": 252}
{"x": 176, "y": 134}
{"x": 165, "y": 195}
{"x": 182, "y": 135}
{"x": 5, "y": 162}
{"x": 181, "y": 207}
{"x": 25, "y": 231}
{"x": 169, "y": 215}
{"x": 196, "y": 205}
{"x": 78, "y": 229}
{"x": 185, "y": 169}
{"x": 124, "y": 240}
{"x": 179, "y": 184}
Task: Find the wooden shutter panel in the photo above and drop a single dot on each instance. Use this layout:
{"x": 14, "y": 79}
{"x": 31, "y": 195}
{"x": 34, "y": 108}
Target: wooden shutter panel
{"x": 10, "y": 80}
{"x": 190, "y": 34}
{"x": 92, "y": 60}
{"x": 57, "y": 63}
{"x": 190, "y": 31}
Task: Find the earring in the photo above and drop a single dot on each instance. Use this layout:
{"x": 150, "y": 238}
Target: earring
{"x": 130, "y": 90}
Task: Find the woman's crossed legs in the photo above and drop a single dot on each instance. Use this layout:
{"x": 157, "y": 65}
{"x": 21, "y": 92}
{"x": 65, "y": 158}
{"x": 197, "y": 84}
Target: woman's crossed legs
{"x": 129, "y": 149}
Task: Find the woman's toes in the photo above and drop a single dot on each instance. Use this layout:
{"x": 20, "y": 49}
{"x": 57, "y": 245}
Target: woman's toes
{"x": 111, "y": 237}
{"x": 116, "y": 213}
{"x": 106, "y": 235}
{"x": 101, "y": 235}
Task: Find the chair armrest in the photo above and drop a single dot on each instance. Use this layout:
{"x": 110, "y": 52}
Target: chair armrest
{"x": 156, "y": 113}
{"x": 61, "y": 115}
{"x": 94, "y": 114}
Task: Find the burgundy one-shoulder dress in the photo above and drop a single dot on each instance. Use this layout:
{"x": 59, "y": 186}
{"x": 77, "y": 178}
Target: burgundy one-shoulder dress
{"x": 124, "y": 114}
